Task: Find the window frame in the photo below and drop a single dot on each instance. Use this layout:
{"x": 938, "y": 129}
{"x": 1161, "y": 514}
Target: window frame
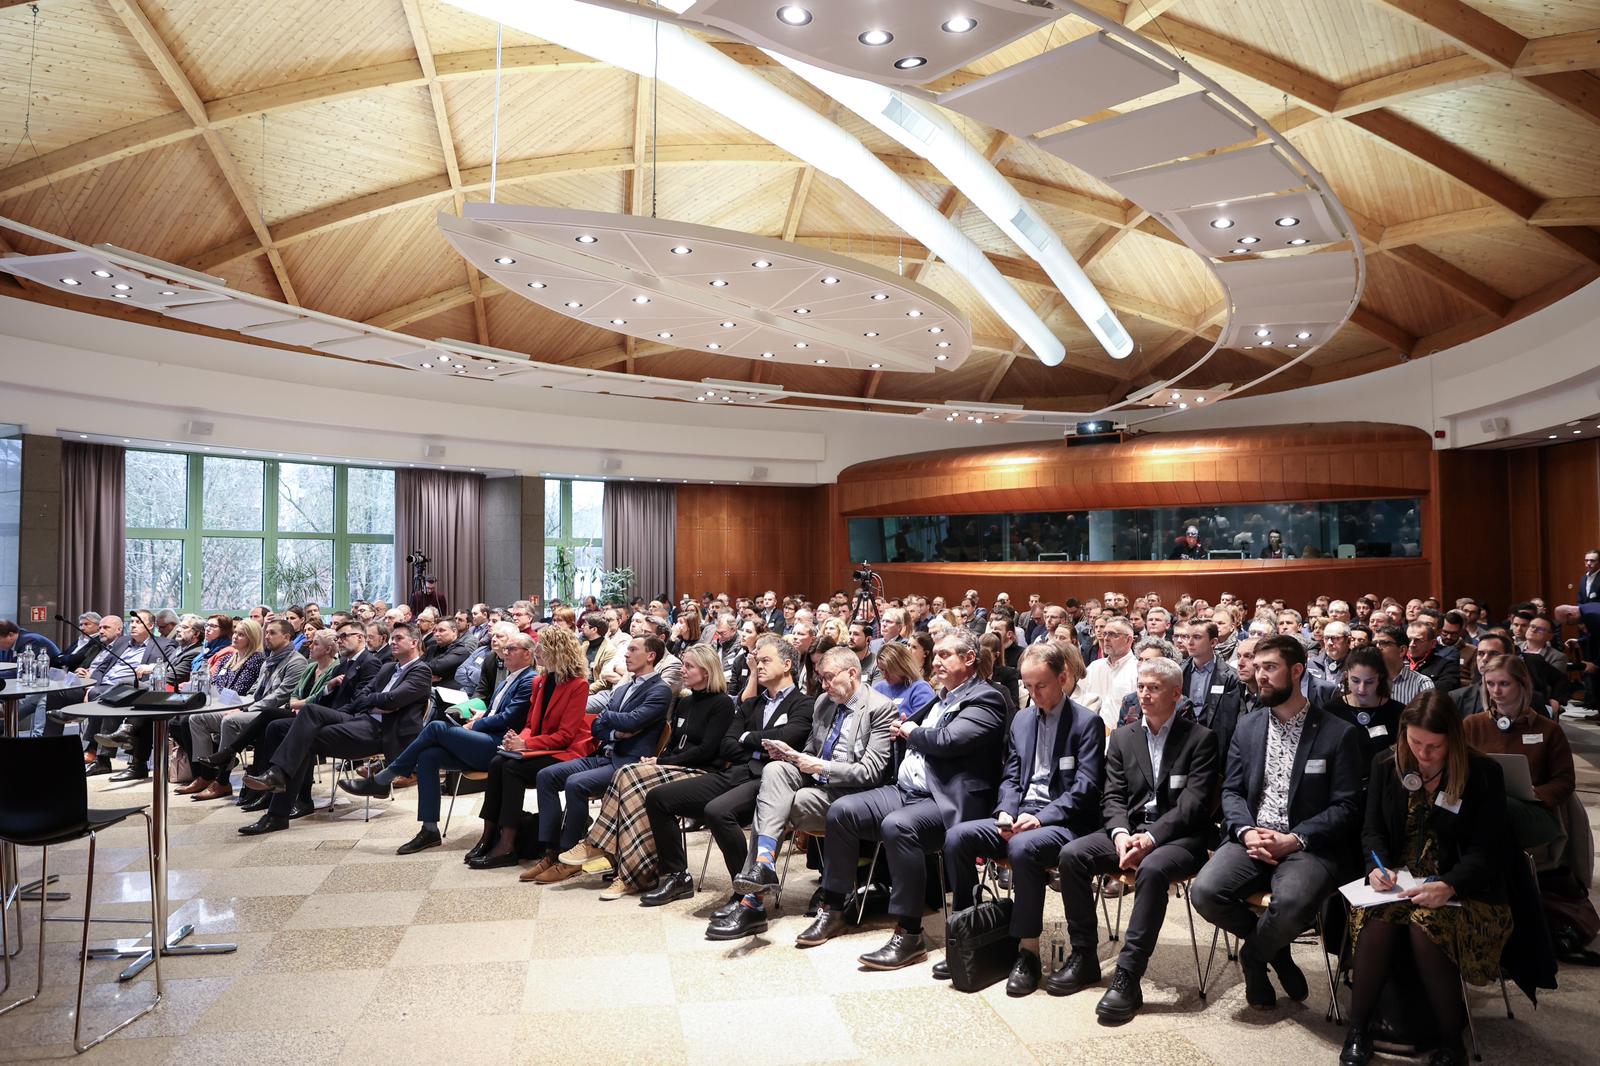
{"x": 565, "y": 539}
{"x": 194, "y": 534}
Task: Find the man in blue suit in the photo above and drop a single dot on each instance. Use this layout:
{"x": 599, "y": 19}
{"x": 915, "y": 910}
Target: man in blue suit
{"x": 443, "y": 745}
{"x": 948, "y": 775}
{"x": 625, "y": 732}
{"x": 1291, "y": 809}
{"x": 1049, "y": 796}
{"x": 1589, "y": 583}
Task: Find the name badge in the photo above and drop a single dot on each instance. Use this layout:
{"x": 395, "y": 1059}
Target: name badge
{"x": 1378, "y": 731}
{"x": 1216, "y": 690}
{"x": 1067, "y": 762}
{"x": 1177, "y": 781}
{"x": 1441, "y": 800}
{"x": 1533, "y": 738}
{"x": 1316, "y": 766}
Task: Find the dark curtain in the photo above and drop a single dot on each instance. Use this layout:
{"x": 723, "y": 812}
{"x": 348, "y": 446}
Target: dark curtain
{"x": 92, "y": 516}
{"x": 640, "y": 526}
{"x": 436, "y": 513}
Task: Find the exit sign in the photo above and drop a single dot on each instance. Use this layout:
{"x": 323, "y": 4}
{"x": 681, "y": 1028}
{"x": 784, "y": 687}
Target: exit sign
{"x": 36, "y": 614}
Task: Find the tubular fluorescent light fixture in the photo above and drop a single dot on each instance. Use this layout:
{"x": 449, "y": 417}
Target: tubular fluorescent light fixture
{"x": 926, "y": 132}
{"x": 653, "y": 48}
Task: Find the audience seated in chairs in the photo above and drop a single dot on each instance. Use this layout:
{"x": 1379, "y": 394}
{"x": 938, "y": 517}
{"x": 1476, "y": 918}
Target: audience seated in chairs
{"x": 626, "y": 731}
{"x": 620, "y": 840}
{"x": 446, "y": 745}
{"x": 1161, "y": 783}
{"x": 1365, "y": 703}
{"x": 1438, "y": 810}
{"x": 1049, "y": 796}
{"x": 1291, "y": 809}
{"x": 234, "y": 671}
{"x": 281, "y": 672}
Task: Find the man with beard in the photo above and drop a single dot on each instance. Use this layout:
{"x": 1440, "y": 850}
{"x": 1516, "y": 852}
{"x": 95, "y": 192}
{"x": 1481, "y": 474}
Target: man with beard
{"x": 1291, "y": 808}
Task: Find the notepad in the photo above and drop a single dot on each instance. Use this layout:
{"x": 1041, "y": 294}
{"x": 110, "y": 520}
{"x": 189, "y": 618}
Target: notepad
{"x": 1359, "y": 893}
{"x": 451, "y": 696}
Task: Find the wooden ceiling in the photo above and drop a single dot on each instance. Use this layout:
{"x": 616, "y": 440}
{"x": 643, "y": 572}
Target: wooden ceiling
{"x": 301, "y": 150}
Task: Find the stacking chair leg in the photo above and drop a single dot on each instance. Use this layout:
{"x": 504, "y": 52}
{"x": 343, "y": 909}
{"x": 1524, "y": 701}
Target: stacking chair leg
{"x": 1506, "y": 996}
{"x": 445, "y": 832}
{"x": 1195, "y": 944}
{"x": 1472, "y": 1030}
{"x": 705, "y": 864}
{"x": 1335, "y": 1012}
{"x": 38, "y": 984}
{"x": 872, "y": 868}
{"x": 1116, "y": 932}
{"x": 157, "y": 940}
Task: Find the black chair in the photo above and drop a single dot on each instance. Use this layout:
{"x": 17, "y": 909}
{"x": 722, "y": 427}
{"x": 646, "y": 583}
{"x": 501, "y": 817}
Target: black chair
{"x": 44, "y": 801}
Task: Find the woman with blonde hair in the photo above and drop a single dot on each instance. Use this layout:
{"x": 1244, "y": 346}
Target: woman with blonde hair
{"x": 902, "y": 681}
{"x": 1507, "y": 724}
{"x": 236, "y": 672}
{"x": 620, "y": 838}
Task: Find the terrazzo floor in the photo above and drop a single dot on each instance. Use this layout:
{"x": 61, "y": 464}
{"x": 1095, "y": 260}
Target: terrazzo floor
{"x": 348, "y": 953}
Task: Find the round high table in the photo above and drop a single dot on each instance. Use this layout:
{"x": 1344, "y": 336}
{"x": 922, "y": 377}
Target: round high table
{"x": 139, "y": 949}
{"x": 10, "y": 701}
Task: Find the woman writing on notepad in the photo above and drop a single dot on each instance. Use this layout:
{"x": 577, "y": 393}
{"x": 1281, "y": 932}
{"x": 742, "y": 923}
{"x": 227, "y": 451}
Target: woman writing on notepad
{"x": 1435, "y": 809}
{"x": 1509, "y": 725}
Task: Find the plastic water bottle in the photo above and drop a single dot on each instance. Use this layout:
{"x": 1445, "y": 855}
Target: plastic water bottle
{"x": 202, "y": 677}
{"x": 25, "y": 668}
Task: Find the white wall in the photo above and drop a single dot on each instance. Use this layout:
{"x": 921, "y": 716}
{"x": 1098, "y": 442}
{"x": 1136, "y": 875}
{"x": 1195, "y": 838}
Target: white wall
{"x": 64, "y": 370}
{"x": 1541, "y": 371}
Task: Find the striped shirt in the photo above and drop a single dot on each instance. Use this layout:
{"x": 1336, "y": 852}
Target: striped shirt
{"x": 1407, "y": 685}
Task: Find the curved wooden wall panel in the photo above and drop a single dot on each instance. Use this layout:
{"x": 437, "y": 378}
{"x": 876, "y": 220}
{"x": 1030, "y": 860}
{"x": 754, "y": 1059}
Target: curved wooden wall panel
{"x": 1265, "y": 465}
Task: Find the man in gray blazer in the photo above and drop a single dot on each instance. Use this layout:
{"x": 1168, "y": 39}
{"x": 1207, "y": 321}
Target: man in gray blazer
{"x": 847, "y": 751}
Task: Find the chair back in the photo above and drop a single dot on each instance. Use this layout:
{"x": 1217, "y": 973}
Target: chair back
{"x": 43, "y": 792}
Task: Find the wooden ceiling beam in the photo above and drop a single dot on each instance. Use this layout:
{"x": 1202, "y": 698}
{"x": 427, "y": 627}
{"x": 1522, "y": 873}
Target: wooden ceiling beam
{"x": 1381, "y": 329}
{"x": 1465, "y": 331}
{"x": 1576, "y": 90}
{"x": 1569, "y": 211}
{"x": 1566, "y": 51}
{"x": 953, "y": 199}
{"x": 1453, "y": 278}
{"x": 797, "y": 202}
{"x": 1465, "y": 27}
{"x": 424, "y": 307}
{"x": 1141, "y": 13}
{"x": 1454, "y": 223}
{"x": 634, "y": 190}
{"x": 1457, "y": 72}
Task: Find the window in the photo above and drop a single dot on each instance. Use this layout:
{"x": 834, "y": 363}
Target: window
{"x": 573, "y": 551}
{"x": 10, "y": 520}
{"x": 214, "y": 533}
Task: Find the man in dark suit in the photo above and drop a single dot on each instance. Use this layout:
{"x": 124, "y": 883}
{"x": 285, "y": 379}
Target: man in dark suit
{"x": 772, "y": 613}
{"x": 1589, "y": 583}
{"x": 1049, "y": 796}
{"x": 1213, "y": 687}
{"x": 948, "y": 775}
{"x": 725, "y": 799}
{"x": 385, "y": 716}
{"x": 1162, "y": 774}
{"x": 449, "y": 651}
{"x": 1291, "y": 806}
{"x": 1422, "y": 656}
{"x": 626, "y": 731}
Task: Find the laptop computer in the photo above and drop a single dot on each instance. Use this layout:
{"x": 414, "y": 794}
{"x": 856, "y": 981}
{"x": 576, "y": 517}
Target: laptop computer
{"x": 1519, "y": 783}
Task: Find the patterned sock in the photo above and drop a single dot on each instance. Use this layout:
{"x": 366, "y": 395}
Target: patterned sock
{"x": 766, "y": 851}
{"x": 752, "y": 901}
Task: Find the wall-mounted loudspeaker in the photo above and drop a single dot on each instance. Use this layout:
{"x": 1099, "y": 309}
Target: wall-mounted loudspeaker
{"x": 1494, "y": 426}
{"x": 610, "y": 466}
{"x": 433, "y": 451}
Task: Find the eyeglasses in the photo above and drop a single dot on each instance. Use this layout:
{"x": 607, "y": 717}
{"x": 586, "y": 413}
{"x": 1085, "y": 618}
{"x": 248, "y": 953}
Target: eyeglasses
{"x": 1385, "y": 644}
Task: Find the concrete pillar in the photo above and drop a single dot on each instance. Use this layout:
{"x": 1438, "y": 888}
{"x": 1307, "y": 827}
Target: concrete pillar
{"x": 39, "y": 533}
{"x": 513, "y": 538}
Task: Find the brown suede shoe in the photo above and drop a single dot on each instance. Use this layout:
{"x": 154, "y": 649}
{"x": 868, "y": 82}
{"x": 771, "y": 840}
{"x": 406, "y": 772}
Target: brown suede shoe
{"x": 405, "y": 782}
{"x": 199, "y": 784}
{"x": 214, "y": 790}
{"x": 532, "y": 873}
{"x": 558, "y": 872}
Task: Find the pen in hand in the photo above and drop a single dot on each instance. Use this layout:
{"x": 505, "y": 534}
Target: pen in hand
{"x": 1384, "y": 873}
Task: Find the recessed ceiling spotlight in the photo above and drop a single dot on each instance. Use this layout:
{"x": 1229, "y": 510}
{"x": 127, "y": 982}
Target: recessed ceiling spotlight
{"x": 1552, "y": 436}
{"x": 535, "y": 284}
{"x": 586, "y": 238}
{"x": 935, "y": 329}
{"x": 793, "y": 15}
{"x": 681, "y": 249}
{"x": 1266, "y": 344}
{"x": 427, "y": 366}
{"x": 619, "y": 322}
{"x": 641, "y": 299}
{"x": 941, "y": 357}
{"x": 1237, "y": 251}
{"x": 802, "y": 310}
{"x": 169, "y": 292}
{"x": 944, "y": 344}
{"x": 574, "y": 304}
{"x": 120, "y": 295}
{"x": 761, "y": 264}
{"x": 822, "y": 362}
{"x": 801, "y": 344}
{"x": 1222, "y": 223}
{"x": 719, "y": 284}
{"x": 870, "y": 333}
{"x": 664, "y": 336}
{"x": 459, "y": 366}
{"x": 1286, "y": 221}
{"x": 101, "y": 273}
{"x": 729, "y": 325}
{"x": 1299, "y": 241}
{"x": 880, "y": 296}
{"x": 874, "y": 38}
{"x": 1304, "y": 335}
{"x": 876, "y": 366}
{"x": 913, "y": 313}
{"x": 1249, "y": 240}
{"x": 1263, "y": 333}
{"x": 122, "y": 286}
{"x": 70, "y": 281}
{"x": 504, "y": 260}
{"x": 461, "y": 372}
{"x": 1291, "y": 344}
{"x": 830, "y": 280}
{"x": 960, "y": 24}
{"x": 1199, "y": 399}
{"x": 766, "y": 355}
{"x": 714, "y": 346}
{"x": 909, "y": 63}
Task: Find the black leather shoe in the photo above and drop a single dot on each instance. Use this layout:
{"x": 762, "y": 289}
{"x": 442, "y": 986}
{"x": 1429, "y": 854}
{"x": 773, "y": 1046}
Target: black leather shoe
{"x": 425, "y": 839}
{"x": 1449, "y": 1056}
{"x": 903, "y": 949}
{"x": 265, "y": 824}
{"x": 1121, "y": 1001}
{"x": 271, "y": 781}
{"x": 248, "y": 796}
{"x": 757, "y": 879}
{"x": 743, "y": 922}
{"x": 300, "y": 810}
{"x": 941, "y": 970}
{"x": 493, "y": 862}
{"x": 672, "y": 888}
{"x": 477, "y": 851}
{"x": 1024, "y": 979}
{"x": 1257, "y": 985}
{"x": 256, "y": 802}
{"x": 132, "y": 773}
{"x": 1357, "y": 1050}
{"x": 364, "y": 786}
{"x": 1080, "y": 971}
{"x": 1290, "y": 978}
{"x": 122, "y": 738}
{"x": 727, "y": 908}
{"x": 828, "y": 924}
{"x": 98, "y": 768}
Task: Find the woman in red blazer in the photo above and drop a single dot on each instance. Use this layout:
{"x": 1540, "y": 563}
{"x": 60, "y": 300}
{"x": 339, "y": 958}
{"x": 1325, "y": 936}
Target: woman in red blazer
{"x": 557, "y": 731}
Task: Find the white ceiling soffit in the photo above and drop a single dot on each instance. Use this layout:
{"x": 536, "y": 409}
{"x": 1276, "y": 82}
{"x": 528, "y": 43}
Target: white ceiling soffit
{"x": 974, "y": 414}
{"x": 230, "y": 314}
{"x": 304, "y": 332}
{"x": 86, "y": 274}
{"x": 848, "y": 36}
{"x": 1305, "y": 294}
{"x": 1209, "y": 179}
{"x": 1159, "y": 133}
{"x": 1253, "y": 227}
{"x": 1066, "y": 83}
{"x": 707, "y": 289}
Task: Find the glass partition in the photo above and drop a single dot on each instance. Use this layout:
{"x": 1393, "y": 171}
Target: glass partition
{"x": 1346, "y": 529}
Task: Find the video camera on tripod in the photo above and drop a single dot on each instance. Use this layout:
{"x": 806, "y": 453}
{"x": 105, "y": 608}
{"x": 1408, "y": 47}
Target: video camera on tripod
{"x": 869, "y": 589}
{"x": 419, "y": 569}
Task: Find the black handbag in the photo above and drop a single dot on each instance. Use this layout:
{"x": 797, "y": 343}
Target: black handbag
{"x": 978, "y": 945}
